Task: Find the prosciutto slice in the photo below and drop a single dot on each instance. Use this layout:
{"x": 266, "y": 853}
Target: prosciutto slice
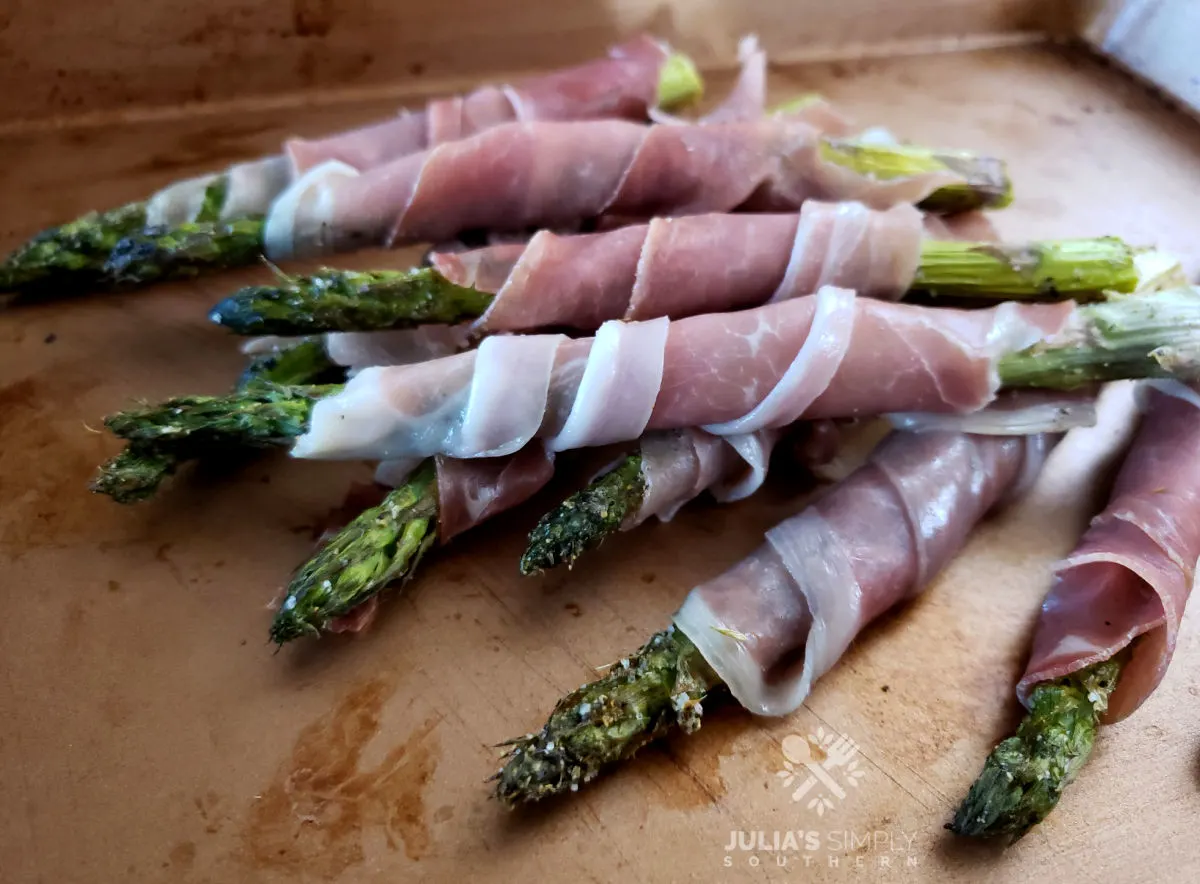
{"x": 472, "y": 491}
{"x": 1132, "y": 572}
{"x": 684, "y": 266}
{"x": 624, "y": 84}
{"x": 250, "y": 188}
{"x": 551, "y": 174}
{"x": 781, "y": 618}
{"x": 678, "y": 467}
{"x": 823, "y": 356}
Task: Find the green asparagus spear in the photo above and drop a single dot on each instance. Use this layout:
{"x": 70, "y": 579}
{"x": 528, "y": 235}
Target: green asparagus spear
{"x": 67, "y": 259}
{"x": 985, "y": 183}
{"x": 185, "y": 251}
{"x": 381, "y": 546}
{"x": 333, "y": 300}
{"x": 1024, "y": 777}
{"x": 137, "y": 472}
{"x": 305, "y": 362}
{"x": 1144, "y": 336}
{"x": 585, "y": 518}
{"x": 643, "y": 697}
{"x": 679, "y": 83}
{"x": 348, "y": 300}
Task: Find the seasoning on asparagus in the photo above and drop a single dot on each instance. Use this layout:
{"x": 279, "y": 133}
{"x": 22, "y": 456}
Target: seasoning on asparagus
{"x": 332, "y": 300}
{"x": 1024, "y": 777}
{"x": 585, "y": 518}
{"x": 661, "y": 686}
{"x": 381, "y": 546}
{"x": 137, "y": 472}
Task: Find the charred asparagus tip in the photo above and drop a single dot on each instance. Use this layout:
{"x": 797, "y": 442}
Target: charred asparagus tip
{"x": 585, "y": 518}
{"x": 185, "y": 251}
{"x": 135, "y": 474}
{"x": 349, "y": 300}
{"x": 679, "y": 83}
{"x": 383, "y": 545}
{"x": 643, "y": 697}
{"x": 1024, "y": 777}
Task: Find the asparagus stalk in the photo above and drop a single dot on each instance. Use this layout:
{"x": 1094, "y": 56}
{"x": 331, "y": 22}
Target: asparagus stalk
{"x": 1143, "y": 336}
{"x": 74, "y": 257}
{"x": 188, "y": 250}
{"x": 137, "y": 472}
{"x": 1024, "y": 777}
{"x": 663, "y": 685}
{"x": 383, "y": 545}
{"x": 348, "y": 300}
{"x": 985, "y": 183}
{"x": 583, "y": 520}
{"x": 679, "y": 83}
{"x": 333, "y": 300}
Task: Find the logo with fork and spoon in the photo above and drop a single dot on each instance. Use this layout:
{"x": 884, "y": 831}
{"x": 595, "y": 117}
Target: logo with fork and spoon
{"x": 818, "y": 768}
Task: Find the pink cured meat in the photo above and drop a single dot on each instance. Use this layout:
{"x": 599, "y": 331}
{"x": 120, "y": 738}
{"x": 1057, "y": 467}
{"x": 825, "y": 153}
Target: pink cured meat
{"x": 549, "y": 174}
{"x": 472, "y": 491}
{"x": 1131, "y": 574}
{"x": 623, "y": 85}
{"x": 678, "y": 467}
{"x": 781, "y": 618}
{"x": 731, "y": 373}
{"x": 685, "y": 266}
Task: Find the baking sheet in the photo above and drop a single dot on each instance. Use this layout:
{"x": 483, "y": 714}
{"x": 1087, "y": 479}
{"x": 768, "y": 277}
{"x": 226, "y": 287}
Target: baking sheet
{"x": 151, "y": 733}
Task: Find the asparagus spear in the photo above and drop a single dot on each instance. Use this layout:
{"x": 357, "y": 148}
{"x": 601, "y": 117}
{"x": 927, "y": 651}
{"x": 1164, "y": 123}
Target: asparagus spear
{"x": 661, "y": 686}
{"x": 1125, "y": 337}
{"x": 1024, "y": 777}
{"x": 1145, "y": 336}
{"x": 137, "y": 472}
{"x": 985, "y": 182}
{"x": 384, "y": 544}
{"x": 332, "y": 300}
{"x": 585, "y": 518}
{"x": 74, "y": 257}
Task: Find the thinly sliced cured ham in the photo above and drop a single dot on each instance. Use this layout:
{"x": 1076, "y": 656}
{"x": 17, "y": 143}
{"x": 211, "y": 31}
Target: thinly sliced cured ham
{"x": 472, "y": 491}
{"x": 680, "y": 466}
{"x": 549, "y": 174}
{"x": 685, "y": 266}
{"x": 781, "y": 618}
{"x": 624, "y": 84}
{"x": 250, "y": 188}
{"x": 823, "y": 356}
{"x": 1128, "y": 580}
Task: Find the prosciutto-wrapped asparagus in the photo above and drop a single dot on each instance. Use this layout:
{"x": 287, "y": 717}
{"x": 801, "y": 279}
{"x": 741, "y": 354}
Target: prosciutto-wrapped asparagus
{"x": 774, "y": 623}
{"x": 635, "y": 78}
{"x": 679, "y": 267}
{"x": 824, "y": 356}
{"x": 548, "y": 174}
{"x": 1108, "y": 627}
{"x": 337, "y": 589}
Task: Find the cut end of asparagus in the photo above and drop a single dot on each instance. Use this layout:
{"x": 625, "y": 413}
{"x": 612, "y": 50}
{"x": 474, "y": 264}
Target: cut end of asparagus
{"x": 347, "y": 300}
{"x": 304, "y": 363}
{"x": 679, "y": 83}
{"x": 641, "y": 698}
{"x": 1024, "y": 777}
{"x": 135, "y": 474}
{"x": 189, "y": 250}
{"x": 1152, "y": 335}
{"x": 382, "y": 546}
{"x": 984, "y": 180}
{"x": 583, "y": 520}
{"x": 1077, "y": 268}
{"x": 69, "y": 259}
